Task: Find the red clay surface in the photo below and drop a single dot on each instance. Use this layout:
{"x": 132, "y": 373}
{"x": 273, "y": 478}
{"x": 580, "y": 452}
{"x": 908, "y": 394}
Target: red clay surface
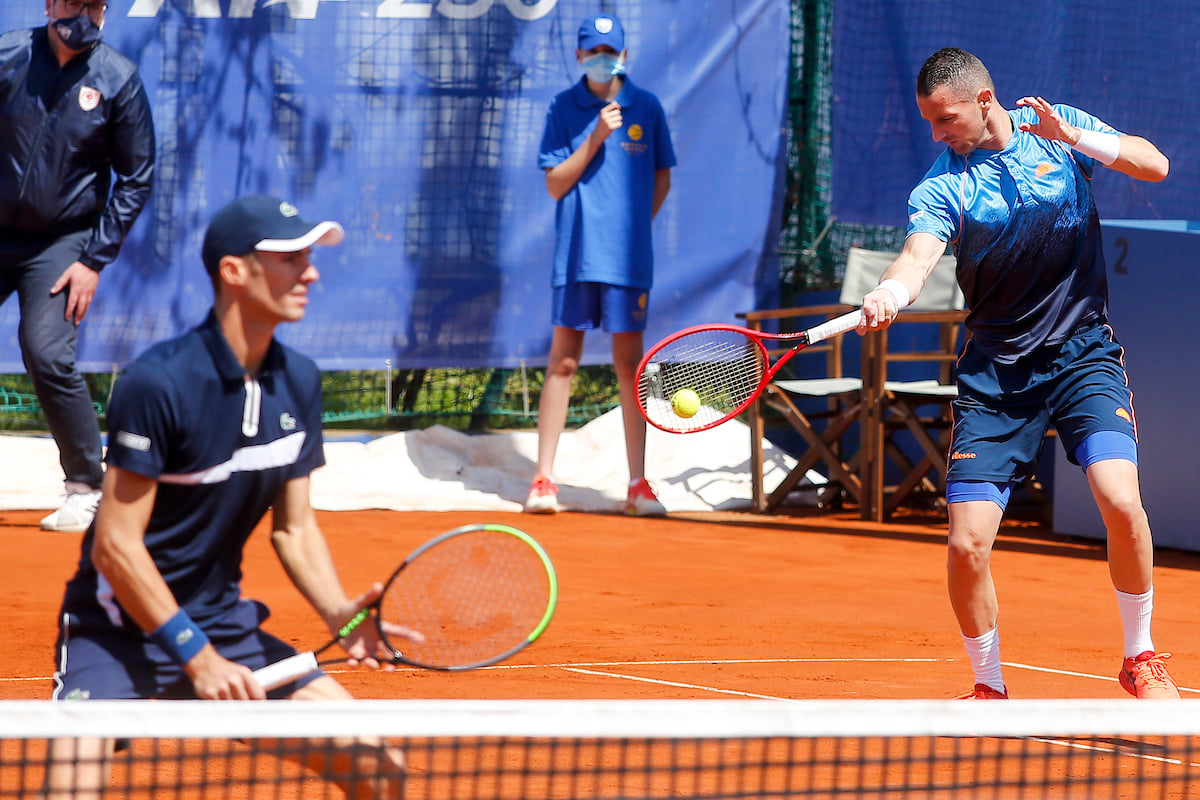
{"x": 804, "y": 604}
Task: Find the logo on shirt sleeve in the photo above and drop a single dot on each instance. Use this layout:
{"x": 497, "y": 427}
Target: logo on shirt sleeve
{"x": 133, "y": 441}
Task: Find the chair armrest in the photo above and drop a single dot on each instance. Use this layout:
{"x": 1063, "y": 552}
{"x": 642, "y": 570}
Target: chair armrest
{"x": 825, "y": 310}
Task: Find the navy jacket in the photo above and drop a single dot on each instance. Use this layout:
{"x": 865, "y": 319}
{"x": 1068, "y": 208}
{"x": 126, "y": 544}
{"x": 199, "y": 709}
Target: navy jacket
{"x": 64, "y": 133}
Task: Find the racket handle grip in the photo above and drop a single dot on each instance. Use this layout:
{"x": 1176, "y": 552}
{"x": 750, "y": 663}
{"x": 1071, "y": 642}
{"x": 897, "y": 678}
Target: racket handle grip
{"x": 289, "y": 669}
{"x": 835, "y": 326}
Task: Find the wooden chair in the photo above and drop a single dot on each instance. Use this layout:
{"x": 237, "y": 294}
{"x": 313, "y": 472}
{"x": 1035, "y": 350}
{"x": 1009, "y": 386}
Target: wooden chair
{"x": 854, "y": 399}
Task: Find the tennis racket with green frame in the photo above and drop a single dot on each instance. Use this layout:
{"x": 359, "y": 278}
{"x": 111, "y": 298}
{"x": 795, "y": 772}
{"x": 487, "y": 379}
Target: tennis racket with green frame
{"x": 476, "y": 595}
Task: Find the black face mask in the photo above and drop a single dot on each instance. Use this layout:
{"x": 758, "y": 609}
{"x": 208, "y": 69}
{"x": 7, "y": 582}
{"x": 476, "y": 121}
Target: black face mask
{"x": 77, "y": 33}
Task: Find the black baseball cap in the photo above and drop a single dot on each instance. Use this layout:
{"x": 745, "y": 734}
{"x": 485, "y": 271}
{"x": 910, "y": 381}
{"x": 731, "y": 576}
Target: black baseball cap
{"x": 268, "y": 224}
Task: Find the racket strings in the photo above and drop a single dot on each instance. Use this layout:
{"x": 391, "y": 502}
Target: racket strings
{"x": 723, "y": 367}
{"x": 474, "y": 598}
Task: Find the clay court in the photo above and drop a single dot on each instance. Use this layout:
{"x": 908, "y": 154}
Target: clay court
{"x": 808, "y": 604}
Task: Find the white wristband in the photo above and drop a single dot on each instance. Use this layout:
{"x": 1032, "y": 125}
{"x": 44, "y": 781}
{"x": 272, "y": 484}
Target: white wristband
{"x": 1104, "y": 147}
{"x": 898, "y": 290}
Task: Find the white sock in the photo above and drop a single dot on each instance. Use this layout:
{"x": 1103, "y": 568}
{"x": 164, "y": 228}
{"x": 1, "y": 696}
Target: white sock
{"x": 1136, "y": 611}
{"x": 984, "y": 652}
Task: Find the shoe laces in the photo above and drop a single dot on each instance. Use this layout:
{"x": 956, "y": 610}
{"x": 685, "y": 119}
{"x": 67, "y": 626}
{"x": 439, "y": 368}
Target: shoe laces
{"x": 1152, "y": 670}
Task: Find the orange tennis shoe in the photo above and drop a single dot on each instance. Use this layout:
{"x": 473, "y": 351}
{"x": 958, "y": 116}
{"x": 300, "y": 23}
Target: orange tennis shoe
{"x": 983, "y": 692}
{"x": 1146, "y": 677}
{"x": 543, "y": 496}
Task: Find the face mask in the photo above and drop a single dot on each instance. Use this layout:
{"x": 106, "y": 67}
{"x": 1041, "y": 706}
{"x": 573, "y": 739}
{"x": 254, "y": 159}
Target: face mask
{"x": 601, "y": 67}
{"x": 77, "y": 33}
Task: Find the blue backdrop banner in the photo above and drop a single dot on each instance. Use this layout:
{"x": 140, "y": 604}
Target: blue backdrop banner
{"x": 416, "y": 125}
{"x": 1127, "y": 63}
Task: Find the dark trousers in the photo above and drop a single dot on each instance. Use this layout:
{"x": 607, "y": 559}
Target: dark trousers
{"x": 30, "y": 266}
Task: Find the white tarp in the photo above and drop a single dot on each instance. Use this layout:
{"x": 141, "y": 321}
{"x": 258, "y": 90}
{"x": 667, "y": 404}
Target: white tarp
{"x": 440, "y": 469}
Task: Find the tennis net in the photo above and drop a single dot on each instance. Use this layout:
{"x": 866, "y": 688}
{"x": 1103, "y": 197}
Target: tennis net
{"x": 527, "y": 749}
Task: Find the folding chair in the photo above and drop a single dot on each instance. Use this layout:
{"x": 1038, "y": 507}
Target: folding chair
{"x": 919, "y": 407}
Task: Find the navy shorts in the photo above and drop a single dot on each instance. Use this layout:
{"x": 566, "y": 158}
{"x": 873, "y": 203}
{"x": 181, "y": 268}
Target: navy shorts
{"x": 109, "y": 663}
{"x": 1003, "y": 411}
{"x": 588, "y": 306}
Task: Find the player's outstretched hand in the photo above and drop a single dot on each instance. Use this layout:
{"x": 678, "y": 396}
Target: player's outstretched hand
{"x": 364, "y": 645}
{"x": 1049, "y": 125}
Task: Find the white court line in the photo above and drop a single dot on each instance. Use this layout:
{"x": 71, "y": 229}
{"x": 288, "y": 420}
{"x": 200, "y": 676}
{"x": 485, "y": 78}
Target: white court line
{"x": 676, "y": 684}
{"x": 719, "y": 661}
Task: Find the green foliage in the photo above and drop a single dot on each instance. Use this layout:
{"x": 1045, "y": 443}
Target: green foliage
{"x": 464, "y": 399}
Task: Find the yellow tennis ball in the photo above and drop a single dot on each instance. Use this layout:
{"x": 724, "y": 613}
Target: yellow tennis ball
{"x": 685, "y": 402}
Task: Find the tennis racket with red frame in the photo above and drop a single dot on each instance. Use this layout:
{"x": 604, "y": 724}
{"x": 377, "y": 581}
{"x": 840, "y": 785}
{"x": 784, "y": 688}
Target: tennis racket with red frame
{"x": 726, "y": 366}
{"x": 474, "y": 595}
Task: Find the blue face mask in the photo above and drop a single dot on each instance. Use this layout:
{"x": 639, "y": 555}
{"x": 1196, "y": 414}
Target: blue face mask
{"x": 77, "y": 33}
{"x": 602, "y": 67}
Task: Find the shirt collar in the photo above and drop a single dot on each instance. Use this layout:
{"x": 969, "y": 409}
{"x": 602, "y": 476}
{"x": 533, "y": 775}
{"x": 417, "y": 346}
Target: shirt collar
{"x": 229, "y": 368}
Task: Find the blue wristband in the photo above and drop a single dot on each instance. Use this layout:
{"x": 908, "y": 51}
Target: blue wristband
{"x": 180, "y": 638}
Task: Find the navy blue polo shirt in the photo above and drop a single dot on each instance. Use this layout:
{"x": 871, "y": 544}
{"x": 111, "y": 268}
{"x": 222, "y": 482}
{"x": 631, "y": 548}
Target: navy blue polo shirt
{"x": 1024, "y": 226}
{"x": 221, "y": 446}
{"x": 603, "y": 224}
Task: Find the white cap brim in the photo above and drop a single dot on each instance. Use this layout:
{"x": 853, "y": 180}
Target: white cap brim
{"x": 324, "y": 233}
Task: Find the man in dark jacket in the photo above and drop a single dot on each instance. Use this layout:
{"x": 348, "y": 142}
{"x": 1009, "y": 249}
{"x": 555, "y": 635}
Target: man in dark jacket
{"x": 76, "y": 161}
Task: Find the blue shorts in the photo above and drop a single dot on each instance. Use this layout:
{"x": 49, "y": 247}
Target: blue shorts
{"x": 587, "y": 306}
{"x": 109, "y": 663}
{"x": 1003, "y": 411}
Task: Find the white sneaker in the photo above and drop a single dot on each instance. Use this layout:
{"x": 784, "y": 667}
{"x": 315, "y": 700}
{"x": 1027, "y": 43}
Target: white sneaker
{"x": 75, "y": 515}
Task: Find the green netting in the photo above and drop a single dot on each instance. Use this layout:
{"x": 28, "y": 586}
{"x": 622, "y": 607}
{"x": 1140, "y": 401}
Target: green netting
{"x": 812, "y": 248}
{"x": 813, "y": 244}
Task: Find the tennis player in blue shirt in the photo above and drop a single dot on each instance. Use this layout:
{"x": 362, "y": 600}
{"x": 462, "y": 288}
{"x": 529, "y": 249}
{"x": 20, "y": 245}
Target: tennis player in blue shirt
{"x": 1012, "y": 194}
{"x": 207, "y": 432}
{"x": 607, "y": 154}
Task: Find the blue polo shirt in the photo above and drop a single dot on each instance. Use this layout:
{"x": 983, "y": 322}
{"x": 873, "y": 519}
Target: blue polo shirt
{"x": 221, "y": 448}
{"x": 603, "y": 224}
{"x": 1024, "y": 226}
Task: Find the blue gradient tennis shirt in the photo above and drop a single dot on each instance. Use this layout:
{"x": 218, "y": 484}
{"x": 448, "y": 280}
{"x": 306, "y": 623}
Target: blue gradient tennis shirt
{"x": 221, "y": 445}
{"x": 603, "y": 224}
{"x": 1023, "y": 223}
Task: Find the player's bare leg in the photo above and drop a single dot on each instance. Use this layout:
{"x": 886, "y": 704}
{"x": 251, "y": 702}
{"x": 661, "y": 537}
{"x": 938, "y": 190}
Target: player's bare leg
{"x": 1114, "y": 484}
{"x": 566, "y": 349}
{"x": 78, "y": 769}
{"x": 627, "y": 353}
{"x": 973, "y": 529}
{"x": 363, "y": 767}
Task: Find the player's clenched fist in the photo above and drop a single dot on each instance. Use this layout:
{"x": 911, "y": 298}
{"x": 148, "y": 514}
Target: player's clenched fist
{"x": 608, "y": 121}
